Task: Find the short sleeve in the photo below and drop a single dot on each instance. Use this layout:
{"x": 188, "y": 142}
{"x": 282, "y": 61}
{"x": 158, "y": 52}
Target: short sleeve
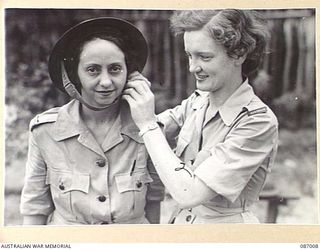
{"x": 233, "y": 162}
{"x": 171, "y": 120}
{"x": 36, "y": 197}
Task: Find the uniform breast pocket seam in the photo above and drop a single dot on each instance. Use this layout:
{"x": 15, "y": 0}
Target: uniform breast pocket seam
{"x": 64, "y": 163}
{"x": 135, "y": 181}
{"x": 68, "y": 181}
{"x": 63, "y": 186}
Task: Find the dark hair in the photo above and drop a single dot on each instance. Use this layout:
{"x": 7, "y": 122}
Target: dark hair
{"x": 241, "y": 32}
{"x": 75, "y": 48}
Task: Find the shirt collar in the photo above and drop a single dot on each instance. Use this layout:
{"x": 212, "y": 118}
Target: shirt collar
{"x": 236, "y": 102}
{"x": 69, "y": 122}
{"x": 202, "y": 101}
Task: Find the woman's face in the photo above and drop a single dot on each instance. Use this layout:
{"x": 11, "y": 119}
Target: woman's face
{"x": 213, "y": 69}
{"x": 102, "y": 72}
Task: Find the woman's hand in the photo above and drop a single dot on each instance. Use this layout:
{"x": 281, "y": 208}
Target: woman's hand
{"x": 140, "y": 99}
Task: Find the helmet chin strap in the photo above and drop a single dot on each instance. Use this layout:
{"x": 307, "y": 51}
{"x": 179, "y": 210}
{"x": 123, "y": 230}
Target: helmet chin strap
{"x": 74, "y": 93}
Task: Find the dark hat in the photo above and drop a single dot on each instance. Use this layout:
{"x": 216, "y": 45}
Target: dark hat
{"x": 132, "y": 38}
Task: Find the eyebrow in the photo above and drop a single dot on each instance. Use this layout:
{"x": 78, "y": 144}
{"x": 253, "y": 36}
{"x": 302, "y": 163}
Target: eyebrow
{"x": 99, "y": 64}
{"x": 201, "y": 52}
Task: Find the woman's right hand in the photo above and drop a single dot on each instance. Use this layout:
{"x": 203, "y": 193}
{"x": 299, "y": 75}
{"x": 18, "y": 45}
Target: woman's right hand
{"x": 140, "y": 99}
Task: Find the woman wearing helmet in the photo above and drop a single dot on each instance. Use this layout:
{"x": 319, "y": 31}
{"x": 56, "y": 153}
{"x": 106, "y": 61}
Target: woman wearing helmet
{"x": 86, "y": 162}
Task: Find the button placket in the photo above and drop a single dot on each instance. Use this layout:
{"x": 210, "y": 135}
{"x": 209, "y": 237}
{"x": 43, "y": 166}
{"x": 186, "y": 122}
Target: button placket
{"x": 101, "y": 163}
{"x": 102, "y": 198}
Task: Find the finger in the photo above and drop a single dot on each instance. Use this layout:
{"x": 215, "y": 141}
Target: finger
{"x": 132, "y": 93}
{"x": 129, "y": 100}
{"x": 147, "y": 84}
{"x": 139, "y": 85}
{"x": 133, "y": 74}
{"x": 136, "y": 85}
{"x": 141, "y": 78}
{"x": 137, "y": 76}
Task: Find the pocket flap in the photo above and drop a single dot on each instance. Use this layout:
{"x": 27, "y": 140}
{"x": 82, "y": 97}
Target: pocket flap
{"x": 67, "y": 181}
{"x": 135, "y": 182}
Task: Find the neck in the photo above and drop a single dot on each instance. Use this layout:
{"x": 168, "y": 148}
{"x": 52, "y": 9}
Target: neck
{"x": 218, "y": 98}
{"x": 101, "y": 116}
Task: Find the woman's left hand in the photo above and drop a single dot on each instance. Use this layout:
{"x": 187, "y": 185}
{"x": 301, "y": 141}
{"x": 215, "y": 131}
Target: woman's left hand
{"x": 140, "y": 99}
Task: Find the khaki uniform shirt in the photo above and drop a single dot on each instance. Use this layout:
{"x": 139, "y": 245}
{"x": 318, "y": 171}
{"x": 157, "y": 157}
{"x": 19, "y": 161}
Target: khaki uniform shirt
{"x": 76, "y": 180}
{"x": 239, "y": 143}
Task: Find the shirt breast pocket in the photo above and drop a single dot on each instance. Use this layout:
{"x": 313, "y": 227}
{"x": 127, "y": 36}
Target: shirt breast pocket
{"x": 132, "y": 187}
{"x": 67, "y": 190}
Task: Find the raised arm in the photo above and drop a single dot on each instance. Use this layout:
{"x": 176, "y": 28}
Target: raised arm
{"x": 186, "y": 188}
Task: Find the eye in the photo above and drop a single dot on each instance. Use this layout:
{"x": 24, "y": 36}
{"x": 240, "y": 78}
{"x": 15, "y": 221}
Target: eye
{"x": 205, "y": 57}
{"x": 115, "y": 69}
{"x": 92, "y": 70}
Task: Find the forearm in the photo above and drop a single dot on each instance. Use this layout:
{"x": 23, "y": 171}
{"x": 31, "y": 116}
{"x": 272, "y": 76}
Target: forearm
{"x": 185, "y": 188}
{"x": 182, "y": 184}
{"x": 35, "y": 220}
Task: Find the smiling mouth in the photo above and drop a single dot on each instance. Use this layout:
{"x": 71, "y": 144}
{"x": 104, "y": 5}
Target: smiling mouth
{"x": 104, "y": 92}
{"x": 201, "y": 77}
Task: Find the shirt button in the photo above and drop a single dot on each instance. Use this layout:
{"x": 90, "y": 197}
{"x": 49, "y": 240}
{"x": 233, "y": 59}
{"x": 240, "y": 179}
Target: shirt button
{"x": 101, "y": 163}
{"x": 61, "y": 187}
{"x": 138, "y": 184}
{"x": 102, "y": 198}
{"x": 188, "y": 218}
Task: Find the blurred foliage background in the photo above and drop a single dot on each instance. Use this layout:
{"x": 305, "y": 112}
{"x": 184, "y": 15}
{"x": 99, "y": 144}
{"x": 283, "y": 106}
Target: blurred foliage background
{"x": 285, "y": 81}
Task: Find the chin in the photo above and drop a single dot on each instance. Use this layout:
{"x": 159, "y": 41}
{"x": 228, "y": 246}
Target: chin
{"x": 109, "y": 102}
{"x": 203, "y": 88}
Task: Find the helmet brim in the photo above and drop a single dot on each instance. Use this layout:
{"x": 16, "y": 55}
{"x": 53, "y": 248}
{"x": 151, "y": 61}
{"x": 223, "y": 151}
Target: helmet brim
{"x": 126, "y": 31}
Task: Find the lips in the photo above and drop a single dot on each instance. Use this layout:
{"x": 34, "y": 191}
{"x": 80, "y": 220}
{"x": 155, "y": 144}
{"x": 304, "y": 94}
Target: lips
{"x": 201, "y": 77}
{"x": 104, "y": 92}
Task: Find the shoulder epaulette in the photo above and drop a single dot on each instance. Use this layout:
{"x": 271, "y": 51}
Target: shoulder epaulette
{"x": 245, "y": 112}
{"x": 257, "y": 111}
{"x": 46, "y": 117}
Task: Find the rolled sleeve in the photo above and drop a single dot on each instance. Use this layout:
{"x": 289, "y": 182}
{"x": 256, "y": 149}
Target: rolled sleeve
{"x": 233, "y": 162}
{"x": 36, "y": 197}
{"x": 172, "y": 120}
{"x": 169, "y": 123}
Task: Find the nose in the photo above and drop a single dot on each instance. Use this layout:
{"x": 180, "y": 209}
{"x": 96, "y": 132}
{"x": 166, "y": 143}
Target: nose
{"x": 105, "y": 79}
{"x": 194, "y": 67}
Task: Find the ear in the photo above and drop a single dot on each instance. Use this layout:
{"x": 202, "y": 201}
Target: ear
{"x": 240, "y": 60}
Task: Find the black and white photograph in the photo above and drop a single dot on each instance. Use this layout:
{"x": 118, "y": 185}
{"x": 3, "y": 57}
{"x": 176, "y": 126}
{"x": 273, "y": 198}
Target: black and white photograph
{"x": 160, "y": 116}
